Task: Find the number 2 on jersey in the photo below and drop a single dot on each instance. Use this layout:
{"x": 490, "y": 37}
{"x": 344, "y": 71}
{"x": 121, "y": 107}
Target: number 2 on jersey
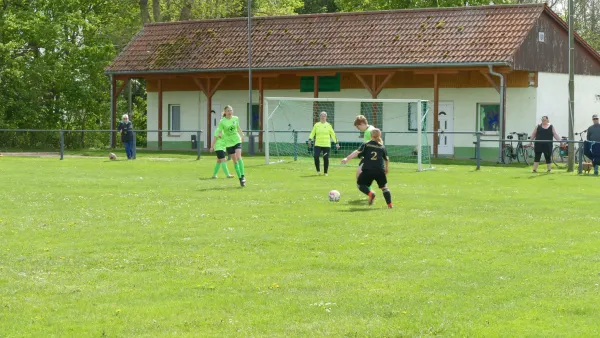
{"x": 373, "y": 156}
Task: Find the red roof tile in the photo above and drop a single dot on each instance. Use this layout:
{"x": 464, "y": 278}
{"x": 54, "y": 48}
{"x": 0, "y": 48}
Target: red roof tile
{"x": 399, "y": 37}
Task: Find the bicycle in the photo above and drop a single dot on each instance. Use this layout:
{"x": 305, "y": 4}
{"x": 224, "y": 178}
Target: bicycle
{"x": 522, "y": 152}
{"x": 560, "y": 153}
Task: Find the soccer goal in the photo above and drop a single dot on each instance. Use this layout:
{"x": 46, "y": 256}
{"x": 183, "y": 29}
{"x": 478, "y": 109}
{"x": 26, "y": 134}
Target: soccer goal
{"x": 289, "y": 121}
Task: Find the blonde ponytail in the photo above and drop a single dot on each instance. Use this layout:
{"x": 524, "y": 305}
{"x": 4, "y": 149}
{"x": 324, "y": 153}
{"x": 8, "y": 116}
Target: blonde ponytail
{"x": 376, "y": 136}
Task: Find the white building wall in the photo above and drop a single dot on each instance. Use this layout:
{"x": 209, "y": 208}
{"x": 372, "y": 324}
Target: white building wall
{"x": 553, "y": 100}
{"x": 522, "y": 105}
{"x": 191, "y": 114}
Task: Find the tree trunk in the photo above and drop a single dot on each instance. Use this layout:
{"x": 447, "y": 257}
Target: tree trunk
{"x": 156, "y": 10}
{"x": 186, "y": 10}
{"x": 144, "y": 11}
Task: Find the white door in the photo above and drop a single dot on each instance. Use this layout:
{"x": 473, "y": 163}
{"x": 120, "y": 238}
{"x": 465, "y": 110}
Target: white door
{"x": 446, "y": 120}
{"x": 215, "y": 115}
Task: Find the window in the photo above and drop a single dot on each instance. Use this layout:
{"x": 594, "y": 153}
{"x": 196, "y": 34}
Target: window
{"x": 373, "y": 111}
{"x": 488, "y": 118}
{"x": 253, "y": 117}
{"x": 328, "y": 107}
{"x": 413, "y": 116}
{"x": 174, "y": 119}
{"x": 326, "y": 83}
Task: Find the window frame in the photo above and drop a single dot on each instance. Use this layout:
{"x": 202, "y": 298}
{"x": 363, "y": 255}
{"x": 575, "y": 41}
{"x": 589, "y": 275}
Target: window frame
{"x": 172, "y": 132}
{"x": 478, "y": 118}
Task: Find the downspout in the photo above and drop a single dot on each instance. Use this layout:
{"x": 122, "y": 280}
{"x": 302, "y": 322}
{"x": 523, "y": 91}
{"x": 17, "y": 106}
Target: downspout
{"x": 501, "y": 118}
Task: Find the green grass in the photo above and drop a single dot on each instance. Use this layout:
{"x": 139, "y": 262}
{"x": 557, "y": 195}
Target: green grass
{"x": 151, "y": 248}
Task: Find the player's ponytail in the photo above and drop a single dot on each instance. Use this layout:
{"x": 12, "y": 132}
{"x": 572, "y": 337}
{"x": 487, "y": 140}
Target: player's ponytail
{"x": 376, "y": 136}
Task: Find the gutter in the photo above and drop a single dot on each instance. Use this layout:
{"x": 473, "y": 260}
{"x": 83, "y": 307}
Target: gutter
{"x": 340, "y": 67}
{"x": 501, "y": 119}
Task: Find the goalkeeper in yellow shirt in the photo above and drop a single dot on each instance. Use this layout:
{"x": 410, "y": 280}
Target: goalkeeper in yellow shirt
{"x": 321, "y": 134}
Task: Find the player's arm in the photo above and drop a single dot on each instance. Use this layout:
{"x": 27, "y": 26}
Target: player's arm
{"x": 354, "y": 154}
{"x": 333, "y": 137}
{"x": 556, "y": 136}
{"x": 214, "y": 140}
{"x": 312, "y": 135}
{"x": 241, "y": 133}
{"x": 587, "y": 137}
{"x": 387, "y": 161}
{"x": 534, "y": 133}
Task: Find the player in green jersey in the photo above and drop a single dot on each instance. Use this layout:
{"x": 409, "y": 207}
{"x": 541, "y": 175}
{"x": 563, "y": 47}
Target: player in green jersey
{"x": 233, "y": 137}
{"x": 361, "y": 123}
{"x": 321, "y": 134}
{"x": 219, "y": 147}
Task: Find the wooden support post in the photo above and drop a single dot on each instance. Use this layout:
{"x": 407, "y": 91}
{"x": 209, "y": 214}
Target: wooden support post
{"x": 491, "y": 81}
{"x": 160, "y": 114}
{"x": 120, "y": 90}
{"x": 436, "y": 118}
{"x": 315, "y": 103}
{"x": 208, "y": 91}
{"x": 260, "y": 113}
{"x": 113, "y": 117}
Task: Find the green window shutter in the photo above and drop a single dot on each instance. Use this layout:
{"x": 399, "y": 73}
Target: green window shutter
{"x": 326, "y": 83}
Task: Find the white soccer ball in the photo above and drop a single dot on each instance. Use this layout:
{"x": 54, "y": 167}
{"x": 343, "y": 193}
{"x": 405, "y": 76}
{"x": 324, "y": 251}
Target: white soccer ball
{"x": 334, "y": 196}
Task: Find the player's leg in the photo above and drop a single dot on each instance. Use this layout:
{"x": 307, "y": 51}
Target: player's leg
{"x": 240, "y": 161}
{"x": 231, "y": 153}
{"x": 548, "y": 156}
{"x": 364, "y": 181}
{"x": 382, "y": 183}
{"x": 317, "y": 154}
{"x": 217, "y": 167}
{"x": 359, "y": 169}
{"x": 223, "y": 162}
{"x": 536, "y": 160}
{"x": 325, "y": 159}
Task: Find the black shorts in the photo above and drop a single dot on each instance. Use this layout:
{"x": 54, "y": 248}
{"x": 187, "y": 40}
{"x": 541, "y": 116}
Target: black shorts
{"x": 220, "y": 154}
{"x": 362, "y": 160}
{"x": 324, "y": 150}
{"x": 368, "y": 176}
{"x": 231, "y": 150}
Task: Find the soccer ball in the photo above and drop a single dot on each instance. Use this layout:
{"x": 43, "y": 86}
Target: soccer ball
{"x": 334, "y": 196}
{"x": 112, "y": 156}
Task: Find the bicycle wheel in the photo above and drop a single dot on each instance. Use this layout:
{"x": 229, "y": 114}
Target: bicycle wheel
{"x": 507, "y": 154}
{"x": 559, "y": 159}
{"x": 526, "y": 154}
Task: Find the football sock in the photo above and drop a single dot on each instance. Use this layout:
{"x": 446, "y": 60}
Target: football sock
{"x": 216, "y": 170}
{"x": 237, "y": 169}
{"x": 225, "y": 169}
{"x": 364, "y": 189}
{"x": 317, "y": 164}
{"x": 241, "y": 165}
{"x": 388, "y": 196}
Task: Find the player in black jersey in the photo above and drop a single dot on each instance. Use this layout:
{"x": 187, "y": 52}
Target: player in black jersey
{"x": 375, "y": 167}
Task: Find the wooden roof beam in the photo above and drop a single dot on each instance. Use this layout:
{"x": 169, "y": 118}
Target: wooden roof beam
{"x": 491, "y": 81}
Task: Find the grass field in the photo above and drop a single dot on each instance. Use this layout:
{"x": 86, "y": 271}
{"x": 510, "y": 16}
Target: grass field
{"x": 153, "y": 248}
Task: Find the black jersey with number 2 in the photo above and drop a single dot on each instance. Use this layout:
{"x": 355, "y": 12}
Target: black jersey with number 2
{"x": 374, "y": 156}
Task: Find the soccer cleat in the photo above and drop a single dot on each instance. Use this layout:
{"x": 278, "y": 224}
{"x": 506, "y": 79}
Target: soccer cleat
{"x": 390, "y": 206}
{"x": 325, "y": 174}
{"x": 549, "y": 171}
{"x": 243, "y": 181}
{"x": 214, "y": 177}
{"x": 534, "y": 171}
{"x": 319, "y": 173}
{"x": 230, "y": 176}
{"x": 371, "y": 198}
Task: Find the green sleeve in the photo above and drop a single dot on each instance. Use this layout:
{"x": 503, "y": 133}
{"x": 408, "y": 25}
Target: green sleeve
{"x": 367, "y": 136}
{"x": 332, "y": 133}
{"x": 313, "y": 132}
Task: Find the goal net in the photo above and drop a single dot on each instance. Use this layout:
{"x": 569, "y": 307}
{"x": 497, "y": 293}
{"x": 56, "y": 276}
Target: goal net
{"x": 289, "y": 122}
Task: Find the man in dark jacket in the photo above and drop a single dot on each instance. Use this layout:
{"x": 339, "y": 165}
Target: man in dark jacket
{"x": 126, "y": 130}
{"x": 591, "y": 146}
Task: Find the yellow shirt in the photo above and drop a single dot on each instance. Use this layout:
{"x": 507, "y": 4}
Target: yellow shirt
{"x": 321, "y": 133}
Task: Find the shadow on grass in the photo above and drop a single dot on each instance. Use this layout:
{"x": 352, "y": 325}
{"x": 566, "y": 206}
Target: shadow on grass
{"x": 357, "y": 202}
{"x": 357, "y": 209}
{"x": 220, "y": 188}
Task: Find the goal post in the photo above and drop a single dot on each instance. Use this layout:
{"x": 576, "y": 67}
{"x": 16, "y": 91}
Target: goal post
{"x": 288, "y": 123}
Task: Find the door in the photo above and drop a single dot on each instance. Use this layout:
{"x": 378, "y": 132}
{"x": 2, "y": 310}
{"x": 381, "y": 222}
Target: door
{"x": 446, "y": 120}
{"x": 253, "y": 117}
{"x": 215, "y": 115}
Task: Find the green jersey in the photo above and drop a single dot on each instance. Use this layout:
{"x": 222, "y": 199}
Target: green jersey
{"x": 219, "y": 142}
{"x": 229, "y": 128}
{"x": 367, "y": 136}
{"x": 321, "y": 133}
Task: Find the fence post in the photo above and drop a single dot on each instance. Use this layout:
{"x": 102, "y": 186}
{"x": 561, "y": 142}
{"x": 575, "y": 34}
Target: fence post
{"x": 295, "y": 145}
{"x": 250, "y": 143}
{"x": 62, "y": 144}
{"x": 478, "y": 151}
{"x": 134, "y": 146}
{"x": 197, "y": 145}
{"x": 580, "y": 159}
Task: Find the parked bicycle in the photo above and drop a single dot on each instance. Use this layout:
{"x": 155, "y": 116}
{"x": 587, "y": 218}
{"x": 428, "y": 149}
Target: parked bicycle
{"x": 523, "y": 153}
{"x": 560, "y": 153}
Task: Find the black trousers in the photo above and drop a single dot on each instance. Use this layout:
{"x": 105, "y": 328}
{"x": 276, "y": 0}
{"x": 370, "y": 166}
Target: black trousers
{"x": 317, "y": 153}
